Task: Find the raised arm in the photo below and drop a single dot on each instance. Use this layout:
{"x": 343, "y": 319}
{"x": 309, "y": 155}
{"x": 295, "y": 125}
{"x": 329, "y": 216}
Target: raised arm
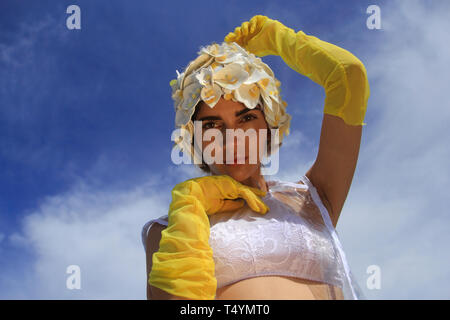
{"x": 332, "y": 172}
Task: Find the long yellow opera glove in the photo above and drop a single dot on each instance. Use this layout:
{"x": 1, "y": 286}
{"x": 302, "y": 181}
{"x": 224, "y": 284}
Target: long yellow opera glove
{"x": 184, "y": 265}
{"x": 337, "y": 70}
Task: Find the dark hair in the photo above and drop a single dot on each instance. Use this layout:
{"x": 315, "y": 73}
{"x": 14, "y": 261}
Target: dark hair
{"x": 204, "y": 167}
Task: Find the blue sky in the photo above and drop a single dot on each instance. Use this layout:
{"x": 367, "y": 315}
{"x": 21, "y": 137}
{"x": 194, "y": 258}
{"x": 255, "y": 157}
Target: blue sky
{"x": 86, "y": 118}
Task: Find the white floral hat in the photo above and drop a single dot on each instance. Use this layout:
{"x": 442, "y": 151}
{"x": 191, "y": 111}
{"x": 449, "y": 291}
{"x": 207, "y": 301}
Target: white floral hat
{"x": 230, "y": 71}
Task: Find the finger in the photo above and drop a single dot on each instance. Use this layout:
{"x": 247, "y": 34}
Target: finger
{"x": 227, "y": 186}
{"x": 238, "y": 186}
{"x": 259, "y": 22}
{"x": 258, "y": 192}
{"x": 254, "y": 22}
{"x": 213, "y": 205}
{"x": 254, "y": 202}
{"x": 253, "y": 26}
{"x": 259, "y": 206}
{"x": 230, "y": 37}
{"x": 237, "y": 31}
{"x": 244, "y": 28}
{"x": 232, "y": 205}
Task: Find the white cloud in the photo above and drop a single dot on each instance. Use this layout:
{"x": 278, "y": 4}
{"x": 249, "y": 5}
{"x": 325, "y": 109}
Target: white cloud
{"x": 98, "y": 231}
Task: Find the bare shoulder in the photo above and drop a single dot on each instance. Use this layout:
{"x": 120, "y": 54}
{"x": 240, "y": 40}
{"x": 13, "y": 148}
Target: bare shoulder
{"x": 152, "y": 244}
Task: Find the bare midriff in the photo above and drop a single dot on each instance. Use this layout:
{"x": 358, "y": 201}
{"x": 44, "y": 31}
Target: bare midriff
{"x": 278, "y": 288}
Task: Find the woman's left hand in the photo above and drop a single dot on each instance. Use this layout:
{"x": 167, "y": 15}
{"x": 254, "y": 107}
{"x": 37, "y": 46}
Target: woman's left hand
{"x": 257, "y": 35}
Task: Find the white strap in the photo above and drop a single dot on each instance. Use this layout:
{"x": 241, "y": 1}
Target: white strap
{"x": 332, "y": 230}
{"x": 147, "y": 226}
{"x": 290, "y": 184}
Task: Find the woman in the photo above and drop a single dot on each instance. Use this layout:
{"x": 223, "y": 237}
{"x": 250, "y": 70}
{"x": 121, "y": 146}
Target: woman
{"x": 232, "y": 234}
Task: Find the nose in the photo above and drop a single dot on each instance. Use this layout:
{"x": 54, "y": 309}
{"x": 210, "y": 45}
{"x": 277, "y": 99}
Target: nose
{"x": 235, "y": 142}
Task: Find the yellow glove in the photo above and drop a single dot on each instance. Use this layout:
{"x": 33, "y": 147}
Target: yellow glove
{"x": 337, "y": 70}
{"x": 184, "y": 265}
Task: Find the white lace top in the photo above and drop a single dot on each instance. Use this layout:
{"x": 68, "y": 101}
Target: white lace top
{"x": 295, "y": 238}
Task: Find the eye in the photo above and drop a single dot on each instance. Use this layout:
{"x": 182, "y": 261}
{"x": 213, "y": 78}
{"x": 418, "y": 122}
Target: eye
{"x": 209, "y": 125}
{"x": 249, "y": 117}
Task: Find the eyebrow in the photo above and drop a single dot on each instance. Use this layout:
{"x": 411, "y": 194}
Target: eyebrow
{"x": 237, "y": 114}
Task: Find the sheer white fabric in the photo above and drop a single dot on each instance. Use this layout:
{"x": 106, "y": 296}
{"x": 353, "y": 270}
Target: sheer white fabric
{"x": 295, "y": 238}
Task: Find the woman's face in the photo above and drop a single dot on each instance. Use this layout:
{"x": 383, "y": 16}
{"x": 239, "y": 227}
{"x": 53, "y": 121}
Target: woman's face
{"x": 227, "y": 114}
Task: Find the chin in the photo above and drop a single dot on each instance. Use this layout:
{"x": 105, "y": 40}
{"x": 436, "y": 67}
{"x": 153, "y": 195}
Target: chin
{"x": 239, "y": 173}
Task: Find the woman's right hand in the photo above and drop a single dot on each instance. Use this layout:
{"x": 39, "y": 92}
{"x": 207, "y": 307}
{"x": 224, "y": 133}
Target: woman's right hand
{"x": 219, "y": 193}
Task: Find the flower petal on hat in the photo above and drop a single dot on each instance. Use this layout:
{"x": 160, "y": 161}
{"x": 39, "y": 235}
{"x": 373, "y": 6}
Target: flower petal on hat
{"x": 231, "y": 76}
{"x": 201, "y": 61}
{"x": 266, "y": 98}
{"x": 226, "y": 58}
{"x": 228, "y": 94}
{"x": 182, "y": 116}
{"x": 273, "y": 92}
{"x": 177, "y": 96}
{"x": 211, "y": 94}
{"x": 191, "y": 95}
{"x": 255, "y": 75}
{"x": 215, "y": 66}
{"x": 248, "y": 94}
{"x": 237, "y": 48}
{"x": 260, "y": 64}
{"x": 212, "y": 49}
{"x": 190, "y": 80}
{"x": 224, "y": 53}
{"x": 204, "y": 76}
